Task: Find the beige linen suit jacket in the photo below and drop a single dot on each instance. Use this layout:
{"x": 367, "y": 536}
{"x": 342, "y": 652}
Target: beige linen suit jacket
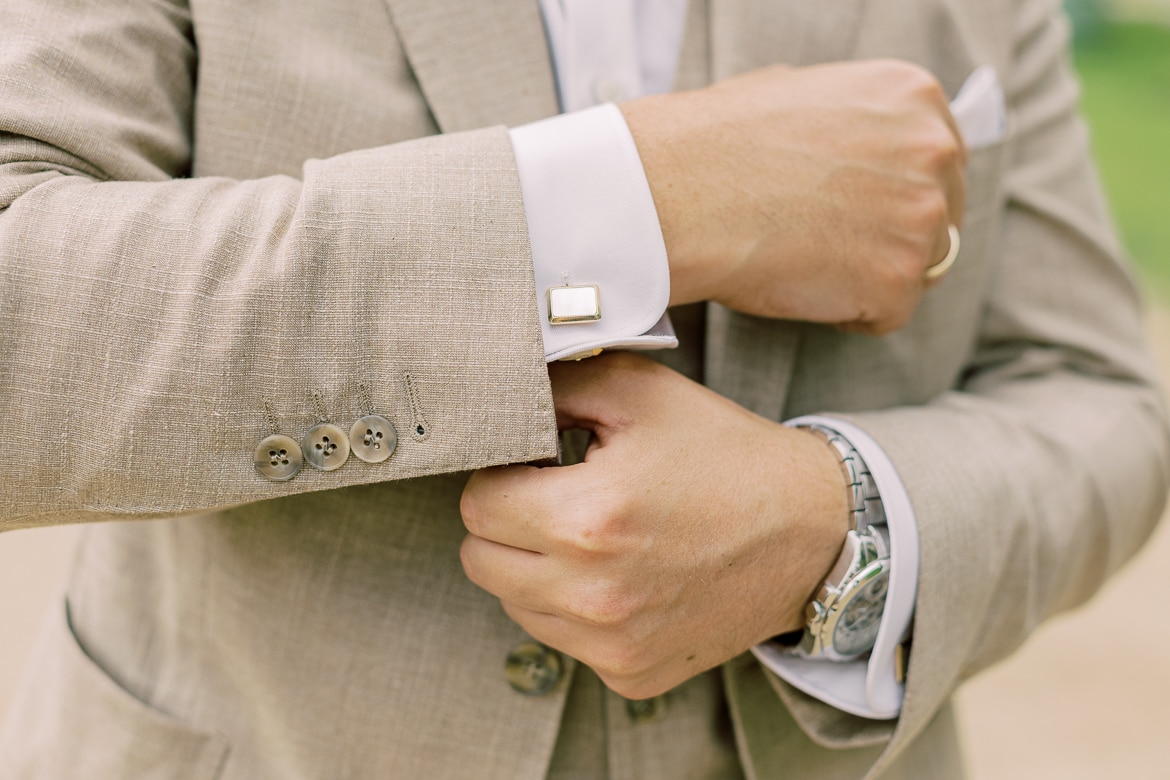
{"x": 223, "y": 219}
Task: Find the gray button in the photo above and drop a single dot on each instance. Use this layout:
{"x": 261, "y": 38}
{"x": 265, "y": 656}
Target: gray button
{"x": 609, "y": 90}
{"x": 533, "y": 669}
{"x": 278, "y": 458}
{"x": 326, "y": 447}
{"x": 373, "y": 438}
{"x": 646, "y": 710}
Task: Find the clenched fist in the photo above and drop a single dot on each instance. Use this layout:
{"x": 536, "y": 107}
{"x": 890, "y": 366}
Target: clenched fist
{"x": 819, "y": 194}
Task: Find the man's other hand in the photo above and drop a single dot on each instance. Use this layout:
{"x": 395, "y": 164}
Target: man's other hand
{"x": 693, "y": 529}
{"x": 819, "y": 194}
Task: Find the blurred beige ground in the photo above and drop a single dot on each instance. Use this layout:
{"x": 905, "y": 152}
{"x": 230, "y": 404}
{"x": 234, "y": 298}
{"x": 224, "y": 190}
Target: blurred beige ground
{"x": 1086, "y": 698}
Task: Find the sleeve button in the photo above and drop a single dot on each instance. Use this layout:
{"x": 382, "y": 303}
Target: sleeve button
{"x": 326, "y": 447}
{"x": 373, "y": 438}
{"x": 278, "y": 458}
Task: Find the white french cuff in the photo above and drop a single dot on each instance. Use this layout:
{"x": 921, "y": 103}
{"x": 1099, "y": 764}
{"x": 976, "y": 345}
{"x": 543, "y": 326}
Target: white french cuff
{"x": 867, "y": 688}
{"x": 592, "y": 224}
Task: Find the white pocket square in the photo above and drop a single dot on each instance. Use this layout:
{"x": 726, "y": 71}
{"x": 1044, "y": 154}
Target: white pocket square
{"x": 979, "y": 109}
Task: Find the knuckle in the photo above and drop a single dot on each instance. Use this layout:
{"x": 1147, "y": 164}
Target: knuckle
{"x": 621, "y": 666}
{"x": 922, "y": 81}
{"x": 900, "y": 284}
{"x": 942, "y": 149}
{"x": 903, "y": 282}
{"x": 901, "y": 274}
{"x": 889, "y": 68}
{"x": 596, "y": 530}
{"x": 910, "y": 76}
{"x": 627, "y": 689}
{"x": 585, "y": 535}
{"x": 633, "y": 686}
{"x": 605, "y": 603}
{"x": 929, "y": 216}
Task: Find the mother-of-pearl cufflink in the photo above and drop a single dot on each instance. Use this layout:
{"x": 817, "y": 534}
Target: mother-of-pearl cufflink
{"x": 574, "y": 304}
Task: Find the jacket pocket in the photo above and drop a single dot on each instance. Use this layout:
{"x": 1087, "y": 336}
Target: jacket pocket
{"x": 70, "y": 720}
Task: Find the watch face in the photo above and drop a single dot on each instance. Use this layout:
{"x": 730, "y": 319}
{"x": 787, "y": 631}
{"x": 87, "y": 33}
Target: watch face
{"x": 857, "y": 626}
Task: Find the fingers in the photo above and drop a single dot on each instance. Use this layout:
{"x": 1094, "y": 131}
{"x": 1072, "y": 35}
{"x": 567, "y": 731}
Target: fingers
{"x": 953, "y": 154}
{"x": 956, "y": 189}
{"x": 579, "y": 393}
{"x": 520, "y": 576}
{"x": 950, "y": 155}
{"x": 542, "y": 510}
{"x": 508, "y": 505}
{"x": 539, "y": 509}
{"x": 583, "y": 593}
{"x": 601, "y": 393}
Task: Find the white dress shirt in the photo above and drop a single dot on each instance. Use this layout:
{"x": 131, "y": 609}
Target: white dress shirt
{"x": 592, "y": 221}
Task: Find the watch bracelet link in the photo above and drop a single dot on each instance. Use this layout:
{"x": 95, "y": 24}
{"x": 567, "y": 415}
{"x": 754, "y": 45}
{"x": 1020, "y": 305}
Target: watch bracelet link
{"x": 865, "y": 503}
{"x": 866, "y": 537}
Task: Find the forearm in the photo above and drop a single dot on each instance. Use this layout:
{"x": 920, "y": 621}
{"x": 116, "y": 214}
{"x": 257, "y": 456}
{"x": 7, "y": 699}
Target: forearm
{"x": 156, "y": 329}
{"x": 169, "y": 326}
{"x": 769, "y": 192}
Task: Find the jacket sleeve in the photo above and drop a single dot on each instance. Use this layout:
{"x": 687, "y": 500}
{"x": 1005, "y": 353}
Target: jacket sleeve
{"x": 155, "y": 328}
{"x": 1046, "y": 467}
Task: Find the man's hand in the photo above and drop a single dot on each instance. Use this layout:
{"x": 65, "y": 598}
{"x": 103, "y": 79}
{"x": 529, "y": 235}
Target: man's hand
{"x": 819, "y": 194}
{"x": 693, "y": 530}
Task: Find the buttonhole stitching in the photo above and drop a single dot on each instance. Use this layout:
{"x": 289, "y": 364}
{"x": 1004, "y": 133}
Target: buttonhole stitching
{"x": 365, "y": 399}
{"x": 319, "y": 407}
{"x": 270, "y": 419}
{"x": 421, "y": 430}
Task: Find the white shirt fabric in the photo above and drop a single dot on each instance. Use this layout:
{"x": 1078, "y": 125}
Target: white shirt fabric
{"x": 592, "y": 220}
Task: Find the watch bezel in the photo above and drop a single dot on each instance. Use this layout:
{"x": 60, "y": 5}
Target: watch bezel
{"x": 846, "y": 597}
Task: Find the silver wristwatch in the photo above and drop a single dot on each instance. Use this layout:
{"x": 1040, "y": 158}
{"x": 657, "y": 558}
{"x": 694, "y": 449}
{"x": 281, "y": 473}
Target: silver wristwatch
{"x": 843, "y": 618}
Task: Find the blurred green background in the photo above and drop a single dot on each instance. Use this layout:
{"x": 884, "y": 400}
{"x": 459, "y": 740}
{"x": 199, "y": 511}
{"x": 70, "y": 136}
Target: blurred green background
{"x": 1123, "y": 56}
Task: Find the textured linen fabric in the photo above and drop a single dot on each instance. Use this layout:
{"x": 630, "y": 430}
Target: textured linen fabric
{"x": 166, "y": 325}
{"x": 221, "y": 218}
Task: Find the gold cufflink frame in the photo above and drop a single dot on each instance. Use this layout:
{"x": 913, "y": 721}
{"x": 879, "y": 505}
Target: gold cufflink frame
{"x": 574, "y": 304}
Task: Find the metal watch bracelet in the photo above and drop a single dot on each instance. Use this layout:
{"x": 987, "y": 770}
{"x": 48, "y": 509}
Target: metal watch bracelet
{"x": 865, "y": 503}
{"x": 841, "y": 621}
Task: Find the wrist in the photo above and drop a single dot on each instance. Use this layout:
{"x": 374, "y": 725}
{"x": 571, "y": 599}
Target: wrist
{"x": 824, "y": 519}
{"x": 843, "y": 619}
{"x": 663, "y": 127}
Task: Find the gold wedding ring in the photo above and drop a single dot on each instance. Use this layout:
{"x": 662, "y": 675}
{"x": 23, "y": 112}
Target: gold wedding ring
{"x": 937, "y": 270}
